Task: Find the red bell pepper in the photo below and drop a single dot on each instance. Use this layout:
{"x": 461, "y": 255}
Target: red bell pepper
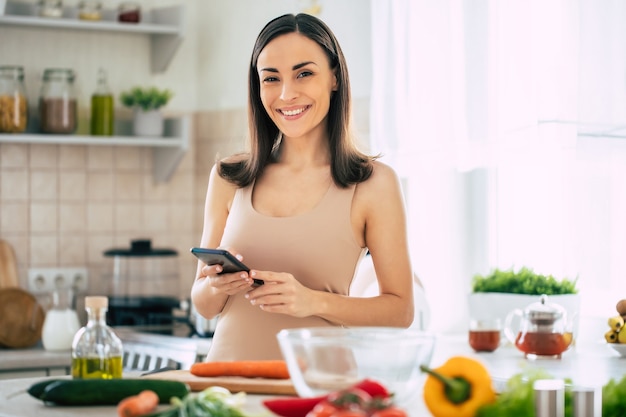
{"x": 299, "y": 407}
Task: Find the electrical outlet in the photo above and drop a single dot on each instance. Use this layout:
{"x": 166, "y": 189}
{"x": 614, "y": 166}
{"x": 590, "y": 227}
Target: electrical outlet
{"x": 43, "y": 280}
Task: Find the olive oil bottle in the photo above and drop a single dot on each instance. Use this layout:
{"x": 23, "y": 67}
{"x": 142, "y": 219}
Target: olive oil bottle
{"x": 102, "y": 116}
{"x": 96, "y": 350}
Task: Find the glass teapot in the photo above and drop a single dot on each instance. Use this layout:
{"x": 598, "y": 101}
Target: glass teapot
{"x": 543, "y": 330}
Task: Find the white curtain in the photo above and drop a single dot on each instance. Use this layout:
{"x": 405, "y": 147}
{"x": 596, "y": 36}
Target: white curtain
{"x": 502, "y": 118}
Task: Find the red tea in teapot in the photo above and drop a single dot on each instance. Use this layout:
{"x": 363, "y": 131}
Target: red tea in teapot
{"x": 543, "y": 344}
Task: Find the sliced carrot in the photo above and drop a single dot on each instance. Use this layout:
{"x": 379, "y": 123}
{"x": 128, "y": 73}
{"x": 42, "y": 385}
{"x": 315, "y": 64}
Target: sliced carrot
{"x": 138, "y": 405}
{"x": 275, "y": 369}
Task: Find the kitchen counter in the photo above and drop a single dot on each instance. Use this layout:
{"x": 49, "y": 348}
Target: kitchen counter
{"x": 37, "y": 358}
{"x": 15, "y": 402}
{"x": 591, "y": 364}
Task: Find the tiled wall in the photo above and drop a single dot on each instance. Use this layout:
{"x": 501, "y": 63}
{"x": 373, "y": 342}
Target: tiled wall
{"x": 64, "y": 205}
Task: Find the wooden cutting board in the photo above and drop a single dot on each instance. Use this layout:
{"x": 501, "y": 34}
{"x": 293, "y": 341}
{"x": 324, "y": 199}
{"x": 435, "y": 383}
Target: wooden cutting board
{"x": 232, "y": 383}
{"x": 8, "y": 266}
{"x": 21, "y": 318}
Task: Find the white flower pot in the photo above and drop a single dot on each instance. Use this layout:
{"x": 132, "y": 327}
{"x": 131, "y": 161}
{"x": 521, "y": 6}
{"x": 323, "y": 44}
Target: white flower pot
{"x": 148, "y": 123}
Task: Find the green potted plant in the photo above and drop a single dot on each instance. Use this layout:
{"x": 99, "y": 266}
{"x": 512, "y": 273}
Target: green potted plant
{"x": 524, "y": 281}
{"x": 496, "y": 294}
{"x": 146, "y": 104}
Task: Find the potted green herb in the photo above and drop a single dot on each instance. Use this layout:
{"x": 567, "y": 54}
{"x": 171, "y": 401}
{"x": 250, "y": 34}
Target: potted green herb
{"x": 146, "y": 104}
{"x": 524, "y": 281}
{"x": 502, "y": 291}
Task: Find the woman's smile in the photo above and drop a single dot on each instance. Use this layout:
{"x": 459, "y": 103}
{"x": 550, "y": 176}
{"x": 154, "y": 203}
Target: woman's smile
{"x": 293, "y": 112}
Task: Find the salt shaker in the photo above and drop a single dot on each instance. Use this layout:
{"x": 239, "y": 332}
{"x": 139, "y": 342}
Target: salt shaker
{"x": 587, "y": 401}
{"x": 549, "y": 397}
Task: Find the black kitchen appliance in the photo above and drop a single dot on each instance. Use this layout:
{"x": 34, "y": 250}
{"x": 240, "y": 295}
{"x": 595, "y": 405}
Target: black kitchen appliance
{"x": 144, "y": 290}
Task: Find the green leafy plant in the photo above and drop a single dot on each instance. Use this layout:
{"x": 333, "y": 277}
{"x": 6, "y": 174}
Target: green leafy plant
{"x": 150, "y": 98}
{"x": 524, "y": 281}
{"x": 614, "y": 398}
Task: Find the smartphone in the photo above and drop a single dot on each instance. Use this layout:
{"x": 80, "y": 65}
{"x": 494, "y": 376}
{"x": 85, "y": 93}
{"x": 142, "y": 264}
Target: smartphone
{"x": 222, "y": 257}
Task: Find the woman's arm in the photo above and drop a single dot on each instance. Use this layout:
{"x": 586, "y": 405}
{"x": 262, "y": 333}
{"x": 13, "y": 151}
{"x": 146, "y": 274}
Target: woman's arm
{"x": 207, "y": 298}
{"x": 379, "y": 212}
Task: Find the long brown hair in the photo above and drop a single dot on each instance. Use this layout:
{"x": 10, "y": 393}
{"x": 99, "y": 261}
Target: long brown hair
{"x": 348, "y": 164}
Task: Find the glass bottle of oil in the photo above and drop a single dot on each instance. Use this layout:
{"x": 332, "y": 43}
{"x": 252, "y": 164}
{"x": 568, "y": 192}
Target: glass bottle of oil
{"x": 102, "y": 116}
{"x": 96, "y": 350}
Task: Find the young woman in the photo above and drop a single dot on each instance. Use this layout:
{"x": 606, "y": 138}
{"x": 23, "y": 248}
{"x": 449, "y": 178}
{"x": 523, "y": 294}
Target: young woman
{"x": 302, "y": 207}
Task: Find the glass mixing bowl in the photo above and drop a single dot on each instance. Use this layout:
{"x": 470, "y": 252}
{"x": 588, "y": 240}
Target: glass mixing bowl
{"x": 326, "y": 359}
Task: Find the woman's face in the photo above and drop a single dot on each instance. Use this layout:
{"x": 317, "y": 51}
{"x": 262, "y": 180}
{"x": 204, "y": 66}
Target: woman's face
{"x": 296, "y": 84}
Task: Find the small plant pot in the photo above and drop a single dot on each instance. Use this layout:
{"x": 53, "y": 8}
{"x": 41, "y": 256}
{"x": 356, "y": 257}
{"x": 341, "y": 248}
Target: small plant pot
{"x": 148, "y": 123}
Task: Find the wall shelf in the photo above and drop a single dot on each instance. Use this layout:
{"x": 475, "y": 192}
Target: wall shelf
{"x": 164, "y": 26}
{"x": 167, "y": 151}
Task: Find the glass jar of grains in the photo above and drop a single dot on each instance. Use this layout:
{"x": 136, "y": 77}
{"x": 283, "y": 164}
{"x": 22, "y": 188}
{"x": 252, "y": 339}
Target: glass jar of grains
{"x": 57, "y": 101}
{"x": 13, "y": 102}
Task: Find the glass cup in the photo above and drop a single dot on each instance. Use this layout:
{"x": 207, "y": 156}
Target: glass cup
{"x": 484, "y": 334}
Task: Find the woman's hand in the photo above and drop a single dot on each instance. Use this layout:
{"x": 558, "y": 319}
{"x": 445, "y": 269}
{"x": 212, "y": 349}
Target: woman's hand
{"x": 281, "y": 293}
{"x": 229, "y": 284}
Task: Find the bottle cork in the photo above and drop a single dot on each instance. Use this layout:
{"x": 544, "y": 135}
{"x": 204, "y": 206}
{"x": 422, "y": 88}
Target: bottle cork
{"x": 96, "y": 301}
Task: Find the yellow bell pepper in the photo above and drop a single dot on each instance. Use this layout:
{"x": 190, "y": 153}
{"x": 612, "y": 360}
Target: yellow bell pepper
{"x": 458, "y": 388}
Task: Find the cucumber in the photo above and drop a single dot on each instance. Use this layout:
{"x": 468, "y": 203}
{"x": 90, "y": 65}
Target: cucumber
{"x": 37, "y": 388}
{"x": 109, "y": 391}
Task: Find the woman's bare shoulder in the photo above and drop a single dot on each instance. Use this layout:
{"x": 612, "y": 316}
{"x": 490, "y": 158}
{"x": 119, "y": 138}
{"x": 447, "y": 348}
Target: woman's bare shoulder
{"x": 382, "y": 185}
{"x": 219, "y": 188}
{"x": 231, "y": 159}
{"x": 383, "y": 176}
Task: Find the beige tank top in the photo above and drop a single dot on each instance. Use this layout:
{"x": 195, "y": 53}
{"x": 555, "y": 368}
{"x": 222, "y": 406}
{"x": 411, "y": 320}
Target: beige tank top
{"x": 317, "y": 247}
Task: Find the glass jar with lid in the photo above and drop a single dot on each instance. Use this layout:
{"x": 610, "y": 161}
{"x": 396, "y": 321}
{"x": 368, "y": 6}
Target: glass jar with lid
{"x": 129, "y": 12}
{"x": 90, "y": 10}
{"x": 51, "y": 8}
{"x": 57, "y": 101}
{"x": 13, "y": 102}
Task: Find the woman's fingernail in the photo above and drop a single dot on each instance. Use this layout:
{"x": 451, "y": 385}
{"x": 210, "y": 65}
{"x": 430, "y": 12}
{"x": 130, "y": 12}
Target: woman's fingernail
{"x": 244, "y": 276}
{"x": 218, "y": 268}
{"x": 253, "y": 273}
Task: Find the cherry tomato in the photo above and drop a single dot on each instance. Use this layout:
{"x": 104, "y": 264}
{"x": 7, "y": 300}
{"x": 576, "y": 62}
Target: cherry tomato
{"x": 323, "y": 409}
{"x": 390, "y": 412}
{"x": 373, "y": 388}
{"x": 351, "y": 398}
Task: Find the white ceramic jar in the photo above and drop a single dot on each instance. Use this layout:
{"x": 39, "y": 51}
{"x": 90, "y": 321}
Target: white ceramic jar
{"x": 61, "y": 322}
